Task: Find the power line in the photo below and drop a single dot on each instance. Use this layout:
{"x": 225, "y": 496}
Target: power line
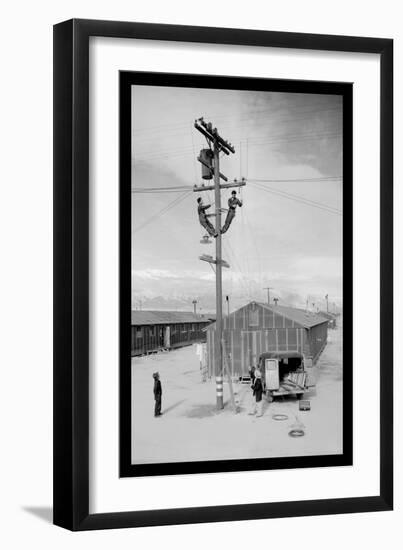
{"x": 246, "y": 116}
{"x": 299, "y": 180}
{"x": 299, "y": 199}
{"x": 256, "y": 142}
{"x": 233, "y": 259}
{"x": 253, "y": 239}
{"x": 163, "y": 211}
{"x": 175, "y": 189}
{"x": 178, "y": 188}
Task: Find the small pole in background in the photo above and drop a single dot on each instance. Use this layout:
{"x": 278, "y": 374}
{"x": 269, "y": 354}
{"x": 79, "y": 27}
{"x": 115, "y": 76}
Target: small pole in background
{"x": 268, "y": 288}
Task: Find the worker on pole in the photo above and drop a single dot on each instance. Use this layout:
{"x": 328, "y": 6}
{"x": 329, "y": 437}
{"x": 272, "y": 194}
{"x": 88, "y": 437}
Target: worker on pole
{"x": 218, "y": 331}
{"x": 233, "y": 202}
{"x": 204, "y": 221}
{"x": 210, "y": 160}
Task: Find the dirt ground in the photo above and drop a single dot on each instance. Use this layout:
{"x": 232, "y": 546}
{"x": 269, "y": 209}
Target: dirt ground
{"x": 191, "y": 429}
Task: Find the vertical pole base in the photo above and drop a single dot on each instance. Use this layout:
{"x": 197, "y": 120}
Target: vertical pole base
{"x": 219, "y": 393}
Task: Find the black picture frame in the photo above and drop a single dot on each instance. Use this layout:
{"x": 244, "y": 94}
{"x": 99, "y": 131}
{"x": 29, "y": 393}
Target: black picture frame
{"x": 343, "y": 90}
{"x": 71, "y": 274}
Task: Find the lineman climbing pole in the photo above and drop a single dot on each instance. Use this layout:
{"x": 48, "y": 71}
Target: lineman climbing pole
{"x": 210, "y": 160}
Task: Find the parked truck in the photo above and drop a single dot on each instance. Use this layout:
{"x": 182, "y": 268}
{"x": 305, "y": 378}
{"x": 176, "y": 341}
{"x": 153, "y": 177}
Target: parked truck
{"x": 286, "y": 373}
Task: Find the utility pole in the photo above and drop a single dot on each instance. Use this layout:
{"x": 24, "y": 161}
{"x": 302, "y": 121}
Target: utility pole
{"x": 327, "y": 303}
{"x": 218, "y": 280}
{"x": 210, "y": 160}
{"x": 268, "y": 288}
{"x": 227, "y": 299}
{"x": 194, "y": 306}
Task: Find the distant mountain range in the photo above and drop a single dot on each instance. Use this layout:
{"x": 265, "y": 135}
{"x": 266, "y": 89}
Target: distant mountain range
{"x": 206, "y": 304}
{"x": 162, "y": 303}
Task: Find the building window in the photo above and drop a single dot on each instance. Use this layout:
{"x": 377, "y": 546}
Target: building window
{"x": 254, "y": 318}
{"x": 139, "y": 332}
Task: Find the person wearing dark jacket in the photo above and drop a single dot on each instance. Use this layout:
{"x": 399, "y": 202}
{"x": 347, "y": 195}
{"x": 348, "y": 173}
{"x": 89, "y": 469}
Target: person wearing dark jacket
{"x": 204, "y": 221}
{"x": 233, "y": 202}
{"x": 157, "y": 394}
{"x": 258, "y": 394}
{"x": 252, "y": 375}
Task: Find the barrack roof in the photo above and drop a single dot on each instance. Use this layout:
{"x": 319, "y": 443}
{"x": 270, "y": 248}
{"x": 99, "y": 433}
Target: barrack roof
{"x": 168, "y": 317}
{"x": 305, "y": 318}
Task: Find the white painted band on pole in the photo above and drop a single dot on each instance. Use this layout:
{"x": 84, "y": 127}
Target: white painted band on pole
{"x": 218, "y": 379}
{"x": 219, "y": 394}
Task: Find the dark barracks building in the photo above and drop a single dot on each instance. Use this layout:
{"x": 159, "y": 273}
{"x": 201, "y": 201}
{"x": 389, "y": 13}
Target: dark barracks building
{"x": 157, "y": 330}
{"x": 257, "y": 327}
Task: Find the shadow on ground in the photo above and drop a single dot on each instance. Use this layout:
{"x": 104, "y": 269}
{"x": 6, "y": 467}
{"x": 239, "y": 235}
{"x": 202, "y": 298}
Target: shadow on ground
{"x": 201, "y": 411}
{"x": 45, "y": 513}
{"x": 207, "y": 410}
{"x": 172, "y": 407}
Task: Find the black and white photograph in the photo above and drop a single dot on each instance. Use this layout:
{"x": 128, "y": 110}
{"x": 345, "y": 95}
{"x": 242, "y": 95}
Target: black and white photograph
{"x": 199, "y": 222}
{"x": 236, "y": 275}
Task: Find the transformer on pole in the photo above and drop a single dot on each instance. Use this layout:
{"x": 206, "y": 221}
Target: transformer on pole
{"x": 210, "y": 161}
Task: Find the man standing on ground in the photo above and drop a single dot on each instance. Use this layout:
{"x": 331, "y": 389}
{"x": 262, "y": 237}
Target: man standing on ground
{"x": 258, "y": 394}
{"x": 157, "y": 394}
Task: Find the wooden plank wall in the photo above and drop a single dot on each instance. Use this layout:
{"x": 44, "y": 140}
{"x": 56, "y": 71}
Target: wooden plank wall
{"x": 180, "y": 335}
{"x": 248, "y": 334}
{"x": 249, "y": 331}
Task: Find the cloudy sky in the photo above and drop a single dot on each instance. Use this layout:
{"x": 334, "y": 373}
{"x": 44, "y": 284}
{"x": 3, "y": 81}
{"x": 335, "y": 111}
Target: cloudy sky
{"x": 288, "y": 235}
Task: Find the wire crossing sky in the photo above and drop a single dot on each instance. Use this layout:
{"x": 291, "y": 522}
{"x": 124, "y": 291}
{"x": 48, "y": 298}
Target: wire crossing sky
{"x": 287, "y": 235}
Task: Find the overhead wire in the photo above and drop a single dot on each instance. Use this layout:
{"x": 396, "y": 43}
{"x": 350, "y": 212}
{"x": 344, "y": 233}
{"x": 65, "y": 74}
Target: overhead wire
{"x": 163, "y": 211}
{"x": 299, "y": 199}
{"x": 246, "y": 218}
{"x": 229, "y": 250}
{"x": 140, "y": 133}
{"x": 174, "y": 189}
{"x": 253, "y": 239}
{"x": 245, "y": 247}
{"x": 257, "y": 142}
{"x": 247, "y": 117}
{"x": 292, "y": 180}
{"x": 178, "y": 188}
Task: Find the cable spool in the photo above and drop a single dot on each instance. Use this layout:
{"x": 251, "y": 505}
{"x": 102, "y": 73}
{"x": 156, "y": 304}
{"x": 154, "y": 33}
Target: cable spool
{"x": 297, "y": 429}
{"x": 296, "y": 432}
{"x": 279, "y": 416}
